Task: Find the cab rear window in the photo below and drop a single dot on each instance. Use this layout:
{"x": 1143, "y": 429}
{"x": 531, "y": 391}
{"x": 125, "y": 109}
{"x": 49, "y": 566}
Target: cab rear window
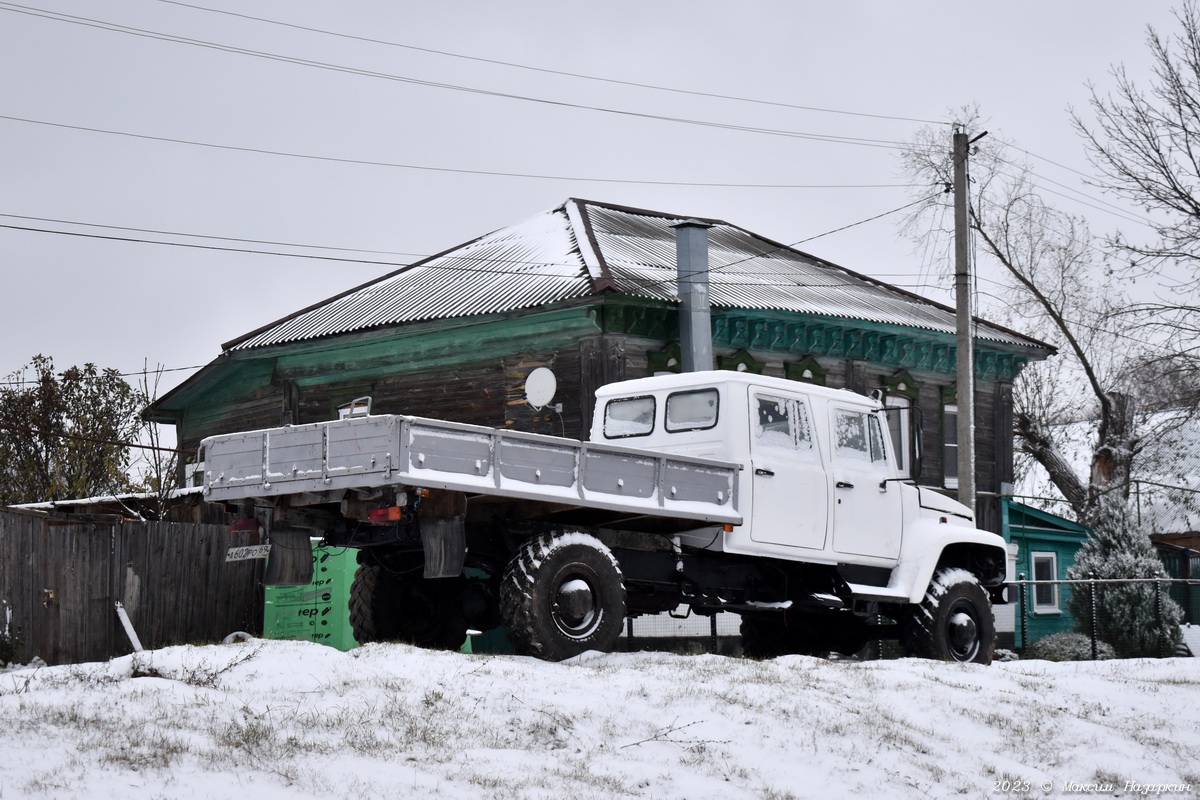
{"x": 692, "y": 411}
{"x": 629, "y": 416}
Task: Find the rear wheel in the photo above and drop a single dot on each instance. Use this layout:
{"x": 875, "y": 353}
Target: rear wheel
{"x": 954, "y": 621}
{"x": 562, "y": 595}
{"x": 388, "y": 606}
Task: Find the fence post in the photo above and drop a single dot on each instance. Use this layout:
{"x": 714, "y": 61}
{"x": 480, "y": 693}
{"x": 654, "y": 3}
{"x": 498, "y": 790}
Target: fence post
{"x": 1021, "y": 601}
{"x": 1092, "y": 625}
{"x": 1186, "y": 572}
{"x": 712, "y": 629}
{"x": 1158, "y": 626}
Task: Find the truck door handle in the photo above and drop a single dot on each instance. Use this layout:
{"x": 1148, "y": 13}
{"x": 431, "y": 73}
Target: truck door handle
{"x": 767, "y": 472}
{"x": 844, "y": 485}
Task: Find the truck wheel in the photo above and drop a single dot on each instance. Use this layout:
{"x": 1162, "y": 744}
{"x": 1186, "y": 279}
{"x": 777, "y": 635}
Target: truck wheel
{"x": 763, "y": 638}
{"x": 387, "y": 606}
{"x": 561, "y": 596}
{"x": 954, "y": 622}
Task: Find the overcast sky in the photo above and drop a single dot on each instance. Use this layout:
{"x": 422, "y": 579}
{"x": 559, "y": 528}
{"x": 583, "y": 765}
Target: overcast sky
{"x": 112, "y": 125}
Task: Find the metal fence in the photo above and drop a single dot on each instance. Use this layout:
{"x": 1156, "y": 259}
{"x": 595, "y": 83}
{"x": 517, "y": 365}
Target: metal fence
{"x": 1179, "y": 589}
{"x": 683, "y": 632}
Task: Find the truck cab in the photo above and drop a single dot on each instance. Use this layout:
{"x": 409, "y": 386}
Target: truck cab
{"x": 819, "y": 481}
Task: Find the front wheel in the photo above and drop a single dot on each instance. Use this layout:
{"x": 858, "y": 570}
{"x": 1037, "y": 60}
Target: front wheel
{"x": 954, "y": 621}
{"x": 561, "y": 596}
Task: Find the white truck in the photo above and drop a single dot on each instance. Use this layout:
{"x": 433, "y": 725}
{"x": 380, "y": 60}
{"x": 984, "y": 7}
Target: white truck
{"x": 716, "y": 491}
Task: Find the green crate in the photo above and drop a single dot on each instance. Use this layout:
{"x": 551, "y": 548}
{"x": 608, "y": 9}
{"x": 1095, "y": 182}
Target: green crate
{"x": 320, "y": 611}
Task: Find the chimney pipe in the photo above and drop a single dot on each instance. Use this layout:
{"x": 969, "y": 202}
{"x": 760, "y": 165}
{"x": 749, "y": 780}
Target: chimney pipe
{"x": 691, "y": 264}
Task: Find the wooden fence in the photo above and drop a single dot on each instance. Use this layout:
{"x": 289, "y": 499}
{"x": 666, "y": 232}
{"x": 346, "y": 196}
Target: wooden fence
{"x": 60, "y": 581}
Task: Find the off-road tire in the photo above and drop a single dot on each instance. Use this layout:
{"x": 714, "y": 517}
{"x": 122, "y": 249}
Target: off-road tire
{"x": 953, "y": 622}
{"x": 562, "y": 595}
{"x": 763, "y": 638}
{"x": 387, "y": 606}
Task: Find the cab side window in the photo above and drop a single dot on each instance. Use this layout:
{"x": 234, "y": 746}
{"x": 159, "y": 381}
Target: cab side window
{"x": 783, "y": 423}
{"x": 858, "y": 436}
{"x": 629, "y": 416}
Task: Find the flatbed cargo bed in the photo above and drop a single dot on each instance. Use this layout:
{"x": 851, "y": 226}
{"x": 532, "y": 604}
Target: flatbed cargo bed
{"x": 369, "y": 452}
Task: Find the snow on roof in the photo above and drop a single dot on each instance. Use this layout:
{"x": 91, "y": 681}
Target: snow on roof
{"x": 583, "y": 248}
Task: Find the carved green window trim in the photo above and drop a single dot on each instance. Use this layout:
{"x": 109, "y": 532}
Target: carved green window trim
{"x": 741, "y": 361}
{"x": 669, "y": 359}
{"x": 807, "y": 371}
{"x": 902, "y": 384}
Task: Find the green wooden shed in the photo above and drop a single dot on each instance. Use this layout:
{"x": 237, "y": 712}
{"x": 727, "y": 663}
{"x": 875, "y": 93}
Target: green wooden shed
{"x": 1042, "y": 546}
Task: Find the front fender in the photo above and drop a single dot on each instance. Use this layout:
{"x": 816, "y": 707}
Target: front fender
{"x": 924, "y": 544}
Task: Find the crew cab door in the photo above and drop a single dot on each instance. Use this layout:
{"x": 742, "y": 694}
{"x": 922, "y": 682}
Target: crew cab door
{"x": 790, "y": 502}
{"x": 867, "y": 513}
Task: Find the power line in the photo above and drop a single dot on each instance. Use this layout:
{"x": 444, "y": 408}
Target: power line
{"x": 141, "y": 32}
{"x": 493, "y": 173}
{"x": 447, "y": 256}
{"x": 204, "y": 236}
{"x": 30, "y": 382}
{"x": 548, "y": 71}
{"x": 92, "y": 439}
{"x": 201, "y": 246}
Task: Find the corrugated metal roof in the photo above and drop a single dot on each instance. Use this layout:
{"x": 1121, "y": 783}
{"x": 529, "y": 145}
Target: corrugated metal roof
{"x": 583, "y": 248}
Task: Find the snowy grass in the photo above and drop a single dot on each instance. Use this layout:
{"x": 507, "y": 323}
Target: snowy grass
{"x": 297, "y": 720}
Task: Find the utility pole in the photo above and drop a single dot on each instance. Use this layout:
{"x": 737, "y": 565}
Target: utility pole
{"x": 965, "y": 341}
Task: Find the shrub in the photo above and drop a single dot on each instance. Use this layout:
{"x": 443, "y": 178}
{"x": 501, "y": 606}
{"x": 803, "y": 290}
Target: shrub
{"x": 1126, "y": 614}
{"x": 1068, "y": 647}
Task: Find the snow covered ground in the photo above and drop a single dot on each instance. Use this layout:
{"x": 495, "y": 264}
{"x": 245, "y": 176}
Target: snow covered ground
{"x": 271, "y": 720}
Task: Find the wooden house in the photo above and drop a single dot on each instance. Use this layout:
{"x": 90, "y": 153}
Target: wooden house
{"x": 588, "y": 290}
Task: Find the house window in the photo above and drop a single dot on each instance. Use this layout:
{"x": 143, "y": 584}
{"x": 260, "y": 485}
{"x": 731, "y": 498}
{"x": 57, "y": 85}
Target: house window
{"x": 1045, "y": 596}
{"x": 950, "y": 446}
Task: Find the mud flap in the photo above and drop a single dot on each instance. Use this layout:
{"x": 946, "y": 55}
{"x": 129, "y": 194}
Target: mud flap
{"x": 291, "y": 559}
{"x": 444, "y": 540}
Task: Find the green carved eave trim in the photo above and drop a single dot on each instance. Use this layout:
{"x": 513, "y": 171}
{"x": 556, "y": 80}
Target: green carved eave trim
{"x": 636, "y": 316}
{"x": 364, "y": 357}
{"x": 808, "y": 370}
{"x": 789, "y": 333}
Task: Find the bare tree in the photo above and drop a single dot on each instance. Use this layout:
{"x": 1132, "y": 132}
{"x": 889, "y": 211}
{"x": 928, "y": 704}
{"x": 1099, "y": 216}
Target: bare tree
{"x": 156, "y": 463}
{"x": 1057, "y": 285}
{"x": 1145, "y": 145}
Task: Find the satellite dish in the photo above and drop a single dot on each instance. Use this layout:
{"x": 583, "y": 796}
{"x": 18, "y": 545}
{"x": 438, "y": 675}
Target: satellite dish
{"x": 540, "y": 386}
